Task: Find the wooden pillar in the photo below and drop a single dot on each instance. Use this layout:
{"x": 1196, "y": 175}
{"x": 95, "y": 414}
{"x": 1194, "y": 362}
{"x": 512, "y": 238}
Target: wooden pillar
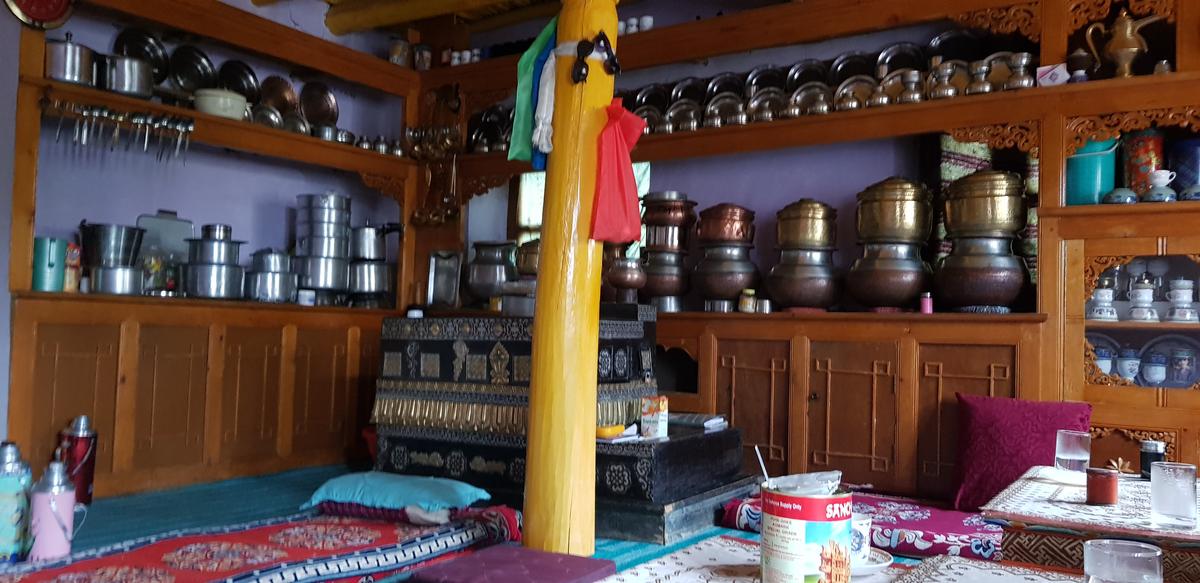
{"x": 560, "y": 477}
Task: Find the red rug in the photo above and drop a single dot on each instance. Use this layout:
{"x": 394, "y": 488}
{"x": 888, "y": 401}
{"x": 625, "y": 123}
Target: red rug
{"x": 296, "y": 548}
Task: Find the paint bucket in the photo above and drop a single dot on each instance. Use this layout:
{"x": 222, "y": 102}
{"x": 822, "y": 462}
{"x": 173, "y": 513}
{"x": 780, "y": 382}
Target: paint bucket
{"x": 805, "y": 535}
{"x": 1091, "y": 172}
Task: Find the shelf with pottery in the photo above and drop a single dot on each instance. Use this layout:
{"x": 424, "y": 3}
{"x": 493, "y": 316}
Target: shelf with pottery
{"x": 216, "y": 131}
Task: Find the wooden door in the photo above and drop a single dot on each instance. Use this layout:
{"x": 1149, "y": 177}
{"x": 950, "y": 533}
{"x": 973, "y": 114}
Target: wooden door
{"x": 74, "y": 373}
{"x": 853, "y": 411}
{"x": 753, "y": 392}
{"x": 169, "y": 403}
{"x": 322, "y": 395}
{"x": 946, "y": 369}
{"x": 250, "y": 396}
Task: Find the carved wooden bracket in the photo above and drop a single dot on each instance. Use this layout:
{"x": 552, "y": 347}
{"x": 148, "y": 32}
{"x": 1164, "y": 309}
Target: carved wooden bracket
{"x": 1105, "y": 127}
{"x": 473, "y": 186}
{"x": 1170, "y": 438}
{"x": 1024, "y": 136}
{"x": 1094, "y": 267}
{"x": 390, "y": 185}
{"x": 1023, "y": 18}
{"x": 1094, "y": 376}
{"x": 1084, "y": 12}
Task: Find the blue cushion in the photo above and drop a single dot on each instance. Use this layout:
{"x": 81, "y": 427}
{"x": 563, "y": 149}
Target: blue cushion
{"x": 394, "y": 491}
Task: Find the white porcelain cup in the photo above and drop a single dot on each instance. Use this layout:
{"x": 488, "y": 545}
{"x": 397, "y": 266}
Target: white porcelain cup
{"x": 1154, "y": 374}
{"x": 1128, "y": 368}
{"x": 1143, "y": 314}
{"x": 1103, "y": 295}
{"x": 1180, "y": 296}
{"x": 1105, "y": 365}
{"x": 646, "y": 23}
{"x": 1142, "y": 295}
{"x": 1162, "y": 177}
{"x": 1101, "y": 312}
{"x": 1182, "y": 283}
{"x": 860, "y": 539}
{"x": 1182, "y": 315}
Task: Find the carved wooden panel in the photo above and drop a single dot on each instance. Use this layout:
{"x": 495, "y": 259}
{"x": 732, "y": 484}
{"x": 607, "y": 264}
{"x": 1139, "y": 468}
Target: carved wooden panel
{"x": 322, "y": 389}
{"x": 1119, "y": 447}
{"x": 753, "y": 393}
{"x": 75, "y": 373}
{"x": 1023, "y": 18}
{"x": 1024, "y": 136}
{"x": 945, "y": 370}
{"x": 172, "y": 376}
{"x": 1104, "y": 127}
{"x": 1084, "y": 12}
{"x": 250, "y": 401}
{"x": 852, "y": 410}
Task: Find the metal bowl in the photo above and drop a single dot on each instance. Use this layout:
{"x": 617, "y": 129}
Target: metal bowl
{"x": 370, "y": 277}
{"x": 323, "y": 273}
{"x": 212, "y": 281}
{"x": 214, "y": 252}
{"x": 328, "y": 200}
{"x": 120, "y": 281}
{"x": 216, "y": 231}
{"x": 271, "y": 287}
{"x": 109, "y": 245}
{"x": 270, "y": 260}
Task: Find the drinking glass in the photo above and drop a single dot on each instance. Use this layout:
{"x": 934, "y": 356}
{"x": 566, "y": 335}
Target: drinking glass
{"x": 1173, "y": 495}
{"x": 1121, "y": 561}
{"x": 1072, "y": 450}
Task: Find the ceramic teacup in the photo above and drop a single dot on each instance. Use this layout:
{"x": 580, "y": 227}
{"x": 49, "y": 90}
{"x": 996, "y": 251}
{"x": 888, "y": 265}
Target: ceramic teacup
{"x": 1190, "y": 193}
{"x": 1103, "y": 295}
{"x": 1143, "y": 314}
{"x": 1128, "y": 367}
{"x": 1143, "y": 296}
{"x": 860, "y": 539}
{"x": 1102, "y": 313}
{"x": 1180, "y": 295}
{"x": 1182, "y": 315}
{"x": 1159, "y": 194}
{"x": 1154, "y": 373}
{"x": 1120, "y": 196}
{"x": 1161, "y": 177}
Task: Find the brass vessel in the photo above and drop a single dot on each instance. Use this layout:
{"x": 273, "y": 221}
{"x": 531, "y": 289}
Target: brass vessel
{"x": 895, "y": 210}
{"x": 988, "y": 203}
{"x": 1125, "y": 42}
{"x": 807, "y": 224}
{"x": 527, "y": 257}
{"x": 726, "y": 223}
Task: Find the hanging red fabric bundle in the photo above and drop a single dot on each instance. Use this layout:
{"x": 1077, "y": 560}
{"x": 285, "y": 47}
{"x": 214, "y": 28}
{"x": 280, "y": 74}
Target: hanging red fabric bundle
{"x": 616, "y": 215}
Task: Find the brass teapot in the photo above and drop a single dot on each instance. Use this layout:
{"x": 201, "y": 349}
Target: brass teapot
{"x": 1125, "y": 41}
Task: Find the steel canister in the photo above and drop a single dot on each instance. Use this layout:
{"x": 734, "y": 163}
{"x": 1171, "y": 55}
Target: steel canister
{"x": 78, "y": 443}
{"x": 805, "y": 537}
{"x": 15, "y": 479}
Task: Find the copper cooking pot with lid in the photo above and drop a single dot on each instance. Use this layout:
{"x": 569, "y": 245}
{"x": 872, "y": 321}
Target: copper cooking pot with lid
{"x": 988, "y": 203}
{"x": 668, "y": 209}
{"x": 807, "y": 224}
{"x": 895, "y": 210}
{"x": 726, "y": 223}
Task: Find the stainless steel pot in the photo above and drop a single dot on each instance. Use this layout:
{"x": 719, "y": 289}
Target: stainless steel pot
{"x": 109, "y": 245}
{"x": 127, "y": 76}
{"x": 214, "y": 252}
{"x": 369, "y": 243}
{"x": 270, "y": 260}
{"x": 223, "y": 282}
{"x": 666, "y": 238}
{"x": 272, "y": 287}
{"x": 370, "y": 277}
{"x": 311, "y": 229}
{"x": 216, "y": 231}
{"x": 323, "y": 273}
{"x": 328, "y": 200}
{"x": 70, "y": 62}
{"x": 325, "y": 132}
{"x": 323, "y": 247}
{"x": 121, "y": 281}
{"x": 495, "y": 263}
{"x": 322, "y": 215}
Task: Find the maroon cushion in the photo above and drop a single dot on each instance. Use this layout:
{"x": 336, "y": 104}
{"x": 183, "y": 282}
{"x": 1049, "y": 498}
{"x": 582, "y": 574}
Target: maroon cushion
{"x": 508, "y": 563}
{"x": 999, "y": 439}
{"x": 352, "y": 510}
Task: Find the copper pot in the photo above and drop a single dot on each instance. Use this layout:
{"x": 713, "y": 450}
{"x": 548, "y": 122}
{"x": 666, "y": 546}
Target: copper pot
{"x": 671, "y": 238}
{"x": 612, "y": 253}
{"x": 666, "y": 275}
{"x": 987, "y": 203}
{"x": 626, "y": 274}
{"x": 807, "y": 224}
{"x": 668, "y": 209}
{"x": 527, "y": 257}
{"x": 894, "y": 211}
{"x": 888, "y": 275}
{"x": 980, "y": 272}
{"x": 726, "y": 223}
{"x": 724, "y": 272}
{"x": 804, "y": 278}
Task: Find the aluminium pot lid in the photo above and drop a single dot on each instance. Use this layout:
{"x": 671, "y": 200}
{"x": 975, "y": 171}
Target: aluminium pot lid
{"x": 140, "y": 44}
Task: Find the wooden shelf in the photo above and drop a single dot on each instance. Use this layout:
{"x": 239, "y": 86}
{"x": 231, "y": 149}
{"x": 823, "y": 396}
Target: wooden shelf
{"x": 747, "y": 30}
{"x": 939, "y": 318}
{"x": 1144, "y": 326}
{"x": 221, "y": 22}
{"x": 199, "y": 304}
{"x": 239, "y": 135}
{"x": 1021, "y": 111}
{"x": 1120, "y": 210}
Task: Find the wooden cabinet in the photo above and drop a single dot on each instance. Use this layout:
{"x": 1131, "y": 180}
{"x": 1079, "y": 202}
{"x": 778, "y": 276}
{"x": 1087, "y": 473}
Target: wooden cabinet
{"x": 870, "y": 395}
{"x": 186, "y": 391}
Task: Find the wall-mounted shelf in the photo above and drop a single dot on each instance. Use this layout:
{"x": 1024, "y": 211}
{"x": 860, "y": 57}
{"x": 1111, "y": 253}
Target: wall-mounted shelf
{"x": 1143, "y": 326}
{"x": 238, "y": 135}
{"x": 221, "y": 22}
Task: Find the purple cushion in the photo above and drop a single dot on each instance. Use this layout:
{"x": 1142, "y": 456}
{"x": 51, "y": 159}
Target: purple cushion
{"x": 506, "y": 563}
{"x": 906, "y": 527}
{"x": 999, "y": 439}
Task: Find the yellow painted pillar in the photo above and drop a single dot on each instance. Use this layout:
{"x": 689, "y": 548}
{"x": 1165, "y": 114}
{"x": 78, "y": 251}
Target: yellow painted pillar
{"x": 560, "y": 475}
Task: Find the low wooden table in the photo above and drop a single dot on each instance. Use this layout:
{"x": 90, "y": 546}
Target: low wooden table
{"x": 1047, "y": 522}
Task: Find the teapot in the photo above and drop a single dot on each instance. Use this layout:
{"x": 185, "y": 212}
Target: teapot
{"x": 1125, "y": 41}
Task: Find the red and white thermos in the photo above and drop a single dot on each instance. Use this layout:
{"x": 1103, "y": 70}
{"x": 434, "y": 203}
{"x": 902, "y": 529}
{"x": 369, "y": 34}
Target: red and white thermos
{"x": 78, "y": 445}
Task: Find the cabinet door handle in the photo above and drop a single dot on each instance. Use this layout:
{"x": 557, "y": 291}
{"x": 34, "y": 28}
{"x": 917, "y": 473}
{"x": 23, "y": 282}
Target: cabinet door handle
{"x": 813, "y": 396}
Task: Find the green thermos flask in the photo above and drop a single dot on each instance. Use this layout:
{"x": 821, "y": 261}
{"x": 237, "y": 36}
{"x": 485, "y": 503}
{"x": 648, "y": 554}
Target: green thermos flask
{"x": 49, "y": 263}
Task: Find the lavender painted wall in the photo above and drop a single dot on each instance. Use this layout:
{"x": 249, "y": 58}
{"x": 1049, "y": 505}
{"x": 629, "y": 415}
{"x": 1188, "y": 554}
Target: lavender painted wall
{"x": 9, "y": 45}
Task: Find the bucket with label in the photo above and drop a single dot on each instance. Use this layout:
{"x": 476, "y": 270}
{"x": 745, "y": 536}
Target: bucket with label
{"x": 805, "y": 529}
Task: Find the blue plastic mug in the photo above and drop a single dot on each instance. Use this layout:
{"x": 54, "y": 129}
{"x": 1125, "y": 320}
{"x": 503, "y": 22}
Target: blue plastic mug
{"x": 1091, "y": 172}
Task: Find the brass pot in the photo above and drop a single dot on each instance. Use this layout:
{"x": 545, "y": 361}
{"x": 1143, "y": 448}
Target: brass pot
{"x": 527, "y": 257}
{"x": 988, "y": 203}
{"x": 807, "y": 224}
{"x": 726, "y": 223}
{"x": 894, "y": 211}
{"x": 673, "y": 212}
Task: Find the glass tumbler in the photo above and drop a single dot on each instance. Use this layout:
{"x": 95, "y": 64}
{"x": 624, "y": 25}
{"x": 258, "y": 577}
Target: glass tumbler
{"x": 1072, "y": 450}
{"x": 1121, "y": 561}
{"x": 1173, "y": 495}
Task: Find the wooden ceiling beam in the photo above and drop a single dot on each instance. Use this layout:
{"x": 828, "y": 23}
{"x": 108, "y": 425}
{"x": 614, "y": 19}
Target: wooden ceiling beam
{"x": 358, "y": 15}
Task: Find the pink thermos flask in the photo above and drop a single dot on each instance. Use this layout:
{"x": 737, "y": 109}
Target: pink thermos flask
{"x": 78, "y": 443}
{"x": 52, "y": 515}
